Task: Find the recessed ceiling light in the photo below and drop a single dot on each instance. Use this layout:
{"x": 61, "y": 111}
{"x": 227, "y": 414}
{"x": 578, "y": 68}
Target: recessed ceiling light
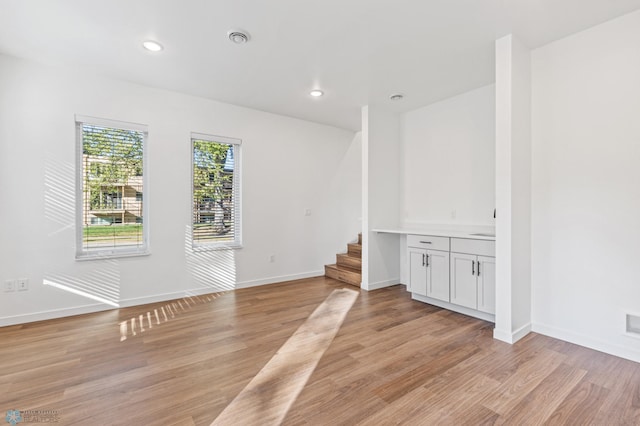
{"x": 238, "y": 36}
{"x": 152, "y": 46}
{"x": 396, "y": 97}
{"x": 316, "y": 93}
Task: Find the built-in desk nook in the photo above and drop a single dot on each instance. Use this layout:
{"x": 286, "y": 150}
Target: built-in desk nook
{"x": 453, "y": 269}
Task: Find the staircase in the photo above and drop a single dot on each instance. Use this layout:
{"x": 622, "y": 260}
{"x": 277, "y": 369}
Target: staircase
{"x": 348, "y": 267}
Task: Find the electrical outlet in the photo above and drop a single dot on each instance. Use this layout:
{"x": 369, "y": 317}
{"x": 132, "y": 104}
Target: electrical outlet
{"x": 454, "y": 214}
{"x": 272, "y": 258}
{"x": 9, "y": 286}
{"x": 307, "y": 212}
{"x": 23, "y": 284}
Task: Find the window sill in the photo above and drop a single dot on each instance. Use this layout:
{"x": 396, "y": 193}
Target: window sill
{"x": 110, "y": 255}
{"x": 215, "y": 247}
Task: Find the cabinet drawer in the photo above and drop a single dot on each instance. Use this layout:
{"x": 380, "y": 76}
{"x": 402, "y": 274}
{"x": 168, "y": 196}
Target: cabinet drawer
{"x": 469, "y": 246}
{"x": 428, "y": 242}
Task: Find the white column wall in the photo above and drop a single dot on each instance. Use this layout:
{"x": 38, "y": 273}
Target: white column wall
{"x": 513, "y": 190}
{"x": 380, "y": 197}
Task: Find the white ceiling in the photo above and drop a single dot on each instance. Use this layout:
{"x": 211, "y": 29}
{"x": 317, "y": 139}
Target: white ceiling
{"x": 357, "y": 51}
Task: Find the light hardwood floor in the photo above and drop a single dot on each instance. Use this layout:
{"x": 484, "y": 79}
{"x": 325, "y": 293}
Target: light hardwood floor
{"x": 393, "y": 361}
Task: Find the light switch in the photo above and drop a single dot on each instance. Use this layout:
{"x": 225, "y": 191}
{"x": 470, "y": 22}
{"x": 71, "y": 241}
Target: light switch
{"x": 23, "y": 284}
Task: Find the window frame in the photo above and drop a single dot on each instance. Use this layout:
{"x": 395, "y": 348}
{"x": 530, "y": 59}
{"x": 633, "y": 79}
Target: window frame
{"x": 113, "y": 252}
{"x": 237, "y": 192}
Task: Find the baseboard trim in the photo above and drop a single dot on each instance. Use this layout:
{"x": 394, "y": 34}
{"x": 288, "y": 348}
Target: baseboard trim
{"x": 503, "y": 336}
{"x": 381, "y": 284}
{"x": 587, "y": 342}
{"x": 521, "y": 332}
{"x": 145, "y": 300}
{"x": 512, "y": 337}
{"x": 279, "y": 279}
{"x": 53, "y": 314}
{"x": 455, "y": 308}
{"x": 137, "y": 301}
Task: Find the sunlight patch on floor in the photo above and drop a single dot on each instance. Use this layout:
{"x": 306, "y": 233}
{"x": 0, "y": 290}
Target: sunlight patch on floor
{"x": 271, "y": 393}
{"x": 167, "y": 312}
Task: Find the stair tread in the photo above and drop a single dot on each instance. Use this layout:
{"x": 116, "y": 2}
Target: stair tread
{"x": 343, "y": 268}
{"x": 349, "y": 255}
{"x": 355, "y": 248}
{"x": 344, "y": 259}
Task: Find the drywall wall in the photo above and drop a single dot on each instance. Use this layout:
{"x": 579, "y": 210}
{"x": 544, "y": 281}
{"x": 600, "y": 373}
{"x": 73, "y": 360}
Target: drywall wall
{"x": 513, "y": 189}
{"x": 345, "y": 187}
{"x": 448, "y": 161}
{"x": 586, "y": 186}
{"x": 288, "y": 165}
{"x": 380, "y": 199}
{"x": 447, "y": 164}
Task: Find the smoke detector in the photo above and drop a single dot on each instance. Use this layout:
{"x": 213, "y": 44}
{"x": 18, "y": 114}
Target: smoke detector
{"x": 396, "y": 97}
{"x": 238, "y": 36}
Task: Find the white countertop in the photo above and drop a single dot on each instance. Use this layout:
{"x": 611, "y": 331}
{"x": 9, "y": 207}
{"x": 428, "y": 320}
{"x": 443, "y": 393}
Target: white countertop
{"x": 439, "y": 231}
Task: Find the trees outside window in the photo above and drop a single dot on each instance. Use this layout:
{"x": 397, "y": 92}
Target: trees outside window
{"x": 216, "y": 197}
{"x": 112, "y": 183}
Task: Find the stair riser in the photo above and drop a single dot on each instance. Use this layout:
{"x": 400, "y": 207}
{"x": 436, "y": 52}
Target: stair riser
{"x": 349, "y": 261}
{"x": 354, "y": 250}
{"x": 352, "y": 278}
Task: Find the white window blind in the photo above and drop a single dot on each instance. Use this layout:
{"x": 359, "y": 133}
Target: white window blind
{"x": 111, "y": 187}
{"x": 216, "y": 191}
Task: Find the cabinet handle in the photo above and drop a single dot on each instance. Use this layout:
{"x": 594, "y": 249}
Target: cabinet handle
{"x": 478, "y": 268}
{"x": 425, "y": 242}
{"x": 423, "y": 261}
{"x": 427, "y": 260}
{"x": 473, "y": 267}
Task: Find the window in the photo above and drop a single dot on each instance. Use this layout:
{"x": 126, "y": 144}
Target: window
{"x": 111, "y": 188}
{"x": 216, "y": 191}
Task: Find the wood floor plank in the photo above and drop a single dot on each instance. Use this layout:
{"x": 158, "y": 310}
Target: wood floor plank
{"x": 526, "y": 378}
{"x": 580, "y": 406}
{"x": 539, "y": 404}
{"x": 393, "y": 361}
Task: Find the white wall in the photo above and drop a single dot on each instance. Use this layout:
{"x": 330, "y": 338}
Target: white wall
{"x": 513, "y": 189}
{"x": 381, "y": 199}
{"x": 288, "y": 165}
{"x": 586, "y": 186}
{"x": 447, "y": 164}
{"x": 448, "y": 161}
{"x": 346, "y": 190}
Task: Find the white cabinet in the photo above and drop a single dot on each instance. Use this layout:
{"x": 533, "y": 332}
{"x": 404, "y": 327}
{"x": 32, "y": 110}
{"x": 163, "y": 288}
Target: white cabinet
{"x": 438, "y": 274}
{"x": 453, "y": 273}
{"x": 464, "y": 284}
{"x": 417, "y": 271}
{"x": 487, "y": 284}
{"x": 473, "y": 275}
{"x": 429, "y": 272}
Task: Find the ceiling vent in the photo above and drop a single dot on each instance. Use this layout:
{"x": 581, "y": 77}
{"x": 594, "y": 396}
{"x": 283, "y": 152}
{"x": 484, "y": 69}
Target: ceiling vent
{"x": 238, "y": 36}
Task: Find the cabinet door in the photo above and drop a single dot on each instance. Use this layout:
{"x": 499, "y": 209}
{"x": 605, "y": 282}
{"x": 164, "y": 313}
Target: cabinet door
{"x": 464, "y": 287}
{"x": 487, "y": 284}
{"x": 438, "y": 274}
{"x": 418, "y": 271}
